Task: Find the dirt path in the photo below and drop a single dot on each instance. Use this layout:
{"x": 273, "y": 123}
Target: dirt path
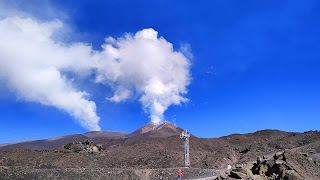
{"x": 207, "y": 178}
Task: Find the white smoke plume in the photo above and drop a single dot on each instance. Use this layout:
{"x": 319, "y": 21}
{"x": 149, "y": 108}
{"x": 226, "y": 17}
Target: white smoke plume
{"x": 31, "y": 63}
{"x": 144, "y": 66}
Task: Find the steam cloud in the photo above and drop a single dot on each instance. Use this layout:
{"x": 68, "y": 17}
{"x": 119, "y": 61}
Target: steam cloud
{"x": 145, "y": 66}
{"x": 31, "y": 63}
{"x": 140, "y": 66}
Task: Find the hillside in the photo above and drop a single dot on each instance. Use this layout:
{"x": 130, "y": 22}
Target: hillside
{"x": 155, "y": 148}
{"x": 58, "y": 142}
{"x": 106, "y": 138}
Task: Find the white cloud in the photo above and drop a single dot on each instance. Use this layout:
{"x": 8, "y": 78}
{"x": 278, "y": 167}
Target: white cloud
{"x": 40, "y": 11}
{"x": 31, "y": 62}
{"x": 147, "y": 66}
{"x": 120, "y": 96}
{"x": 185, "y": 48}
{"x": 141, "y": 65}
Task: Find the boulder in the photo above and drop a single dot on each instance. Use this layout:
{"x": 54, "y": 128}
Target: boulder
{"x": 238, "y": 175}
{"x": 276, "y": 168}
{"x": 85, "y": 146}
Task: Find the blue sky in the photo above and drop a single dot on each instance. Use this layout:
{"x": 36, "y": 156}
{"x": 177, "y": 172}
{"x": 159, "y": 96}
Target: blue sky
{"x": 255, "y": 65}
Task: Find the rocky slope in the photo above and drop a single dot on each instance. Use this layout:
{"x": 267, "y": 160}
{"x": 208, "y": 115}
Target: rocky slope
{"x": 261, "y": 155}
{"x": 107, "y": 138}
{"x": 58, "y": 142}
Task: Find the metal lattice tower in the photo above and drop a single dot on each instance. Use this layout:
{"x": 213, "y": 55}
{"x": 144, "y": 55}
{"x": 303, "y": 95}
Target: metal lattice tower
{"x": 185, "y": 137}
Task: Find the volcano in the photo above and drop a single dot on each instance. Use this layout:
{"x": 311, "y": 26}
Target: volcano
{"x": 107, "y": 138}
{"x": 155, "y": 151}
{"x": 152, "y": 130}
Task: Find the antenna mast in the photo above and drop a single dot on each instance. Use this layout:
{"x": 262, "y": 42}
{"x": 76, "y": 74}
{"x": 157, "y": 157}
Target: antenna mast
{"x": 185, "y": 137}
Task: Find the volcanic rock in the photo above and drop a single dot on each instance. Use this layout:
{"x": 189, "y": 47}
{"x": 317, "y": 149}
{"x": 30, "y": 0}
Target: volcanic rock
{"x": 152, "y": 156}
{"x": 84, "y": 147}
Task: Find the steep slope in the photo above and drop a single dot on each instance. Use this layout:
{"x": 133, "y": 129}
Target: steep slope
{"x": 148, "y": 127}
{"x": 107, "y": 138}
{"x": 103, "y": 134}
{"x": 58, "y": 142}
{"x": 152, "y": 130}
{"x": 52, "y": 143}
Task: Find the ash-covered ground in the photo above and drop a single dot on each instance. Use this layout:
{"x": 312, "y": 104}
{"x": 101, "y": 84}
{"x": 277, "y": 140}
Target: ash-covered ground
{"x": 157, "y": 153}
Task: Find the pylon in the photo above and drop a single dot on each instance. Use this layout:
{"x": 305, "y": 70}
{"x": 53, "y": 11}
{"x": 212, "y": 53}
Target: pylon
{"x": 185, "y": 137}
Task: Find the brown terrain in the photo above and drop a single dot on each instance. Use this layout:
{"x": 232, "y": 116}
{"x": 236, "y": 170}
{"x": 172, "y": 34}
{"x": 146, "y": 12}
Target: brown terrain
{"x": 156, "y": 152}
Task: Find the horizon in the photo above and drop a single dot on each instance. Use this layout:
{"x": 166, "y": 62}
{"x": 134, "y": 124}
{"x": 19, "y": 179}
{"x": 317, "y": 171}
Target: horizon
{"x": 213, "y": 68}
{"x": 127, "y": 133}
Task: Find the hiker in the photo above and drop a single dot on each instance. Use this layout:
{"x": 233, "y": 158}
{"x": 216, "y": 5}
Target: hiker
{"x": 229, "y": 167}
{"x": 179, "y": 174}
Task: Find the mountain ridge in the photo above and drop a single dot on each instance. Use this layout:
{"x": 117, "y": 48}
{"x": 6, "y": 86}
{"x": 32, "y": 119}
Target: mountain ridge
{"x": 108, "y": 138}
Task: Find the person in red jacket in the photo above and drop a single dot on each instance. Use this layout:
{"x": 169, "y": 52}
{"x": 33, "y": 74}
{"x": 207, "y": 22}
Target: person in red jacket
{"x": 179, "y": 174}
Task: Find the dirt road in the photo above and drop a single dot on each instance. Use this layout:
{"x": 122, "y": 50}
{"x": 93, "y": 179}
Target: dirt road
{"x": 207, "y": 178}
